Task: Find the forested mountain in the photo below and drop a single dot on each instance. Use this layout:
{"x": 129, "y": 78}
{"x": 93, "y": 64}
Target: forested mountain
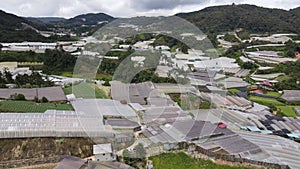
{"x": 210, "y": 20}
{"x": 47, "y": 19}
{"x": 15, "y": 29}
{"x": 250, "y": 17}
{"x": 90, "y": 19}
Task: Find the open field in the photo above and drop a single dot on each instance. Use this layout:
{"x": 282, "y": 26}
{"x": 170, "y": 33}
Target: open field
{"x": 29, "y": 106}
{"x": 266, "y": 101}
{"x": 288, "y": 110}
{"x": 86, "y": 90}
{"x": 183, "y": 161}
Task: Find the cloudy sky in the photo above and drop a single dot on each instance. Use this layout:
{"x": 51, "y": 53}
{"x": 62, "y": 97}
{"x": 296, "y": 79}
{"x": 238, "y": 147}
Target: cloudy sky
{"x": 125, "y": 8}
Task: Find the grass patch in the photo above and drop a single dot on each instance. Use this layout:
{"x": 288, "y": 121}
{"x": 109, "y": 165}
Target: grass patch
{"x": 288, "y": 110}
{"x": 29, "y": 106}
{"x": 234, "y": 90}
{"x": 66, "y": 74}
{"x": 266, "y": 101}
{"x": 86, "y": 90}
{"x": 276, "y": 94}
{"x": 181, "y": 160}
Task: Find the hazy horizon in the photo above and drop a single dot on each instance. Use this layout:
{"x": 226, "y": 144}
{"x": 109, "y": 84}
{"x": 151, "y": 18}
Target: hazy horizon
{"x": 125, "y": 8}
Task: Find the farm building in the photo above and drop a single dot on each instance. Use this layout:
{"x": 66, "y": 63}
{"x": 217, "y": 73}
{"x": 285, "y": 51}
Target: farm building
{"x": 131, "y": 93}
{"x": 221, "y": 63}
{"x": 103, "y": 107}
{"x": 10, "y": 66}
{"x": 70, "y": 162}
{"x": 103, "y": 152}
{"x": 52, "y": 123}
{"x": 203, "y": 134}
{"x": 53, "y": 94}
{"x": 163, "y": 115}
{"x": 297, "y": 110}
{"x": 175, "y": 88}
{"x": 291, "y": 96}
{"x": 233, "y": 82}
{"x": 121, "y": 123}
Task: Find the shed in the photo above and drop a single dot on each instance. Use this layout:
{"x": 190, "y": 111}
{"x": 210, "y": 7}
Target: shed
{"x": 103, "y": 152}
{"x": 291, "y": 96}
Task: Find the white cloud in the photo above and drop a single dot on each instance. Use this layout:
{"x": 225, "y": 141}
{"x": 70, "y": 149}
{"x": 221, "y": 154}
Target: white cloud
{"x": 125, "y": 8}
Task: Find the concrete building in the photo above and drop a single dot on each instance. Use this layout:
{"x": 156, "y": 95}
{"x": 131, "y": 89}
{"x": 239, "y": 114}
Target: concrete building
{"x": 103, "y": 152}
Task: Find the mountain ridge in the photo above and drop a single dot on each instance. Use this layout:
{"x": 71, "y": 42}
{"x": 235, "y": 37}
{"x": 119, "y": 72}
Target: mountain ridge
{"x": 250, "y": 17}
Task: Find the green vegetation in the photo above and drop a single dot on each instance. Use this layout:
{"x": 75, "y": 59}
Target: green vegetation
{"x": 276, "y": 94}
{"x": 85, "y": 90}
{"x": 33, "y": 80}
{"x": 244, "y": 35}
{"x": 266, "y": 101}
{"x": 286, "y": 51}
{"x": 234, "y": 90}
{"x": 249, "y": 17}
{"x": 289, "y": 81}
{"x": 288, "y": 110}
{"x": 181, "y": 160}
{"x": 248, "y": 65}
{"x": 30, "y": 56}
{"x": 58, "y": 61}
{"x": 66, "y": 74}
{"x": 136, "y": 158}
{"x": 20, "y": 97}
{"x": 275, "y": 105}
{"x": 24, "y": 81}
{"x": 170, "y": 42}
{"x": 109, "y": 66}
{"x": 136, "y": 38}
{"x": 231, "y": 38}
{"x": 29, "y": 106}
{"x": 205, "y": 105}
{"x": 190, "y": 101}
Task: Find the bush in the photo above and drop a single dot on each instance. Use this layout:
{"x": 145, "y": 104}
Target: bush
{"x": 20, "y": 97}
{"x": 44, "y": 100}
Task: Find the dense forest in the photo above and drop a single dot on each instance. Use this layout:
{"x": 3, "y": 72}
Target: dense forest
{"x": 57, "y": 61}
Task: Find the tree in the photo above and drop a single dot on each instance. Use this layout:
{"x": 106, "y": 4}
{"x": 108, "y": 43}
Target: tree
{"x": 20, "y": 97}
{"x": 8, "y": 76}
{"x": 44, "y": 100}
{"x": 136, "y": 158}
{"x": 57, "y": 61}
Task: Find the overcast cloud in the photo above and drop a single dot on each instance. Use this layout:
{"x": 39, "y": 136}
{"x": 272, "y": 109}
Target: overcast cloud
{"x": 125, "y": 8}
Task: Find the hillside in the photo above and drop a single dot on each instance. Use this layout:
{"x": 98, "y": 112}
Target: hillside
{"x": 89, "y": 19}
{"x": 47, "y": 19}
{"x": 17, "y": 29}
{"x": 249, "y": 17}
{"x": 84, "y": 23}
